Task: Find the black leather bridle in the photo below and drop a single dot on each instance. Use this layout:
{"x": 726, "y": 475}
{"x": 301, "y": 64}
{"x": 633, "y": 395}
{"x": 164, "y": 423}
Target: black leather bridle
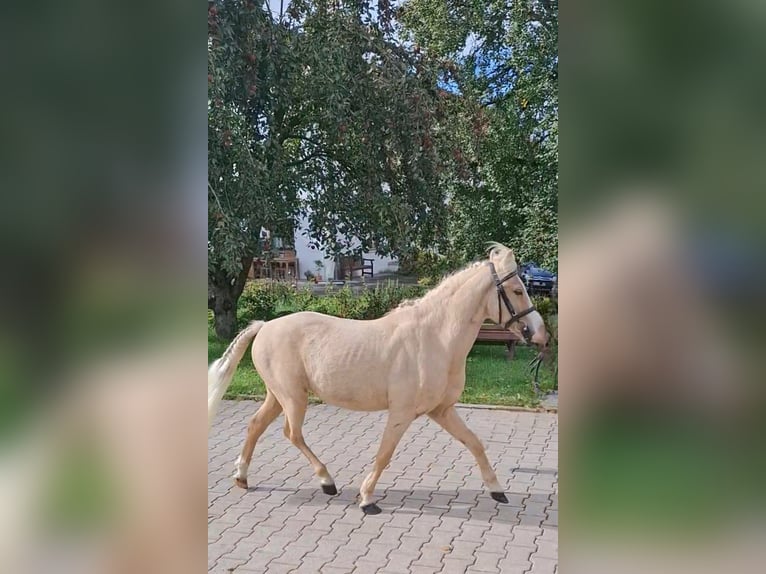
{"x": 502, "y": 295}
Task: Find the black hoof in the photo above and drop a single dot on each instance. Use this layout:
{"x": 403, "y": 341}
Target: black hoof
{"x": 500, "y": 497}
{"x": 371, "y": 508}
{"x": 329, "y": 489}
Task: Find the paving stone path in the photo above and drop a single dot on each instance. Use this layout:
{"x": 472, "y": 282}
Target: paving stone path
{"x": 436, "y": 517}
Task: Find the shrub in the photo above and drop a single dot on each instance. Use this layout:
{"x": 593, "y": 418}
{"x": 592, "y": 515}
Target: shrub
{"x": 265, "y": 301}
{"x": 259, "y": 300}
{"x": 545, "y": 305}
{"x": 303, "y": 298}
{"x": 285, "y": 307}
{"x": 549, "y": 311}
{"x": 431, "y": 267}
{"x": 344, "y": 301}
{"x": 380, "y": 300}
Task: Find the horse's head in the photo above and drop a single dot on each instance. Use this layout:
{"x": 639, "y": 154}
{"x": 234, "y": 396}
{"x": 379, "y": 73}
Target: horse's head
{"x": 508, "y": 302}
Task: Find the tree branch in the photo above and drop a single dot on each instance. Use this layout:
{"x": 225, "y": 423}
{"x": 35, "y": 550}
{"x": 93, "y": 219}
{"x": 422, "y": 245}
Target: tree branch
{"x": 303, "y": 160}
{"x": 283, "y": 139}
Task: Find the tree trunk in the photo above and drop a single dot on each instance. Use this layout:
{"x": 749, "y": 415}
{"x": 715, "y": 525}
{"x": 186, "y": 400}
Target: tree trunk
{"x": 223, "y": 294}
{"x": 225, "y": 315}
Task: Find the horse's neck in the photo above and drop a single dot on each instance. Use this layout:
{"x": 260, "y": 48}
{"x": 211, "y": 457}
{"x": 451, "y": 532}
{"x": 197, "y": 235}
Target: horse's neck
{"x": 459, "y": 313}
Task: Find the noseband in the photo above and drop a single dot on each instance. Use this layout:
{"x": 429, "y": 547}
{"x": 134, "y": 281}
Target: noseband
{"x": 501, "y": 295}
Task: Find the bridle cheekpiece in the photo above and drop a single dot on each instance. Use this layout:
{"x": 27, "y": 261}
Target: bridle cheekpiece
{"x": 502, "y": 295}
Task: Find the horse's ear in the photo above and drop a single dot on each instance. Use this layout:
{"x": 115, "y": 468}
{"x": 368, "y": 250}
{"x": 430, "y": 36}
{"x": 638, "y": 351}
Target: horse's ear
{"x": 495, "y": 249}
{"x": 509, "y": 257}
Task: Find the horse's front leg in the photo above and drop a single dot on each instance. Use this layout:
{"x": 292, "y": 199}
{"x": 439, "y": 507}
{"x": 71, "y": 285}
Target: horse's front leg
{"x": 395, "y": 429}
{"x": 450, "y": 421}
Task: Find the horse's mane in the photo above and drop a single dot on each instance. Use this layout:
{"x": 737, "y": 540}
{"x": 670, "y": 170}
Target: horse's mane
{"x": 446, "y": 287}
{"x": 449, "y": 283}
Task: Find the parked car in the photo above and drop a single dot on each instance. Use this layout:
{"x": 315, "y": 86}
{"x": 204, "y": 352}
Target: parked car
{"x": 538, "y": 280}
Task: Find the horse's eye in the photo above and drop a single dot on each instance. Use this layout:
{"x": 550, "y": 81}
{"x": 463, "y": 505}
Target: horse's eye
{"x": 518, "y": 291}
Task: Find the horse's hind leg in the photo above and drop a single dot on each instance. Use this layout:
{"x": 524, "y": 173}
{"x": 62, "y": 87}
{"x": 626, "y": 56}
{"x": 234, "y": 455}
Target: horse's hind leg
{"x": 395, "y": 429}
{"x": 265, "y": 415}
{"x": 450, "y": 421}
{"x": 295, "y": 412}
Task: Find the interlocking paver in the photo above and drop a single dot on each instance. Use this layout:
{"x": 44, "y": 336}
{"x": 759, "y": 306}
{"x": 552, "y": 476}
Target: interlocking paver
{"x": 437, "y": 517}
{"x": 546, "y": 549}
{"x": 543, "y": 566}
{"x": 279, "y": 568}
{"x": 525, "y": 536}
{"x": 456, "y": 566}
{"x": 487, "y": 561}
{"x": 399, "y": 562}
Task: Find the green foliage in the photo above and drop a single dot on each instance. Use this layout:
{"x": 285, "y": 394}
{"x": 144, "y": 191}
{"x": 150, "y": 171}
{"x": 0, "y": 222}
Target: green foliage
{"x": 246, "y": 186}
{"x": 380, "y": 300}
{"x": 376, "y": 151}
{"x": 268, "y": 300}
{"x": 324, "y": 101}
{"x": 265, "y": 301}
{"x": 546, "y": 306}
{"x": 549, "y": 310}
{"x": 430, "y": 267}
{"x": 431, "y": 126}
{"x": 501, "y": 57}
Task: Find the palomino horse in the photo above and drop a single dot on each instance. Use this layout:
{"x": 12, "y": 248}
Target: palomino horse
{"x": 411, "y": 362}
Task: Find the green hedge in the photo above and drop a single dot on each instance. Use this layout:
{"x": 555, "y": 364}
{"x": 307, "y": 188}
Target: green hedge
{"x": 265, "y": 301}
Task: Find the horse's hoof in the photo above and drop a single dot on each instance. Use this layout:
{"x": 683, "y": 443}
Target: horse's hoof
{"x": 500, "y": 497}
{"x": 371, "y": 509}
{"x": 241, "y": 482}
{"x": 329, "y": 489}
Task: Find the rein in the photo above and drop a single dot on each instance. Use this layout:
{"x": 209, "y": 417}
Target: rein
{"x": 503, "y": 296}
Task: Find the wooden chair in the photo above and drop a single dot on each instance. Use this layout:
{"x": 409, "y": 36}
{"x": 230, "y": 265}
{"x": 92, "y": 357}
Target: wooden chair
{"x": 350, "y": 264}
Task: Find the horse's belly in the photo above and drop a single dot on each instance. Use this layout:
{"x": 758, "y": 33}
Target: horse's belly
{"x": 357, "y": 395}
{"x": 356, "y": 404}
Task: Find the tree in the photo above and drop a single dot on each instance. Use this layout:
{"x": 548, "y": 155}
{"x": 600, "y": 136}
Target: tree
{"x": 320, "y": 111}
{"x": 499, "y": 58}
{"x": 246, "y": 187}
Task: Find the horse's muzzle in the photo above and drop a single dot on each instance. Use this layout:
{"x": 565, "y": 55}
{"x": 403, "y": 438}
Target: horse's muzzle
{"x": 539, "y": 338}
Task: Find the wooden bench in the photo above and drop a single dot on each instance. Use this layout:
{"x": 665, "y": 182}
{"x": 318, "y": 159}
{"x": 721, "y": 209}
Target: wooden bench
{"x": 490, "y": 333}
{"x": 350, "y": 264}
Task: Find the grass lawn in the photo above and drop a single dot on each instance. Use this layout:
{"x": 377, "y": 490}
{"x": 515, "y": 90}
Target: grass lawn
{"x": 490, "y": 378}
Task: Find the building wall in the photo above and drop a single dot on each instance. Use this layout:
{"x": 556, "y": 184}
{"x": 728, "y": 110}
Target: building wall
{"x": 307, "y": 255}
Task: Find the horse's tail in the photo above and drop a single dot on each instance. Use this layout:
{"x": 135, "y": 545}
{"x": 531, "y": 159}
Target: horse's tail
{"x": 221, "y": 371}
